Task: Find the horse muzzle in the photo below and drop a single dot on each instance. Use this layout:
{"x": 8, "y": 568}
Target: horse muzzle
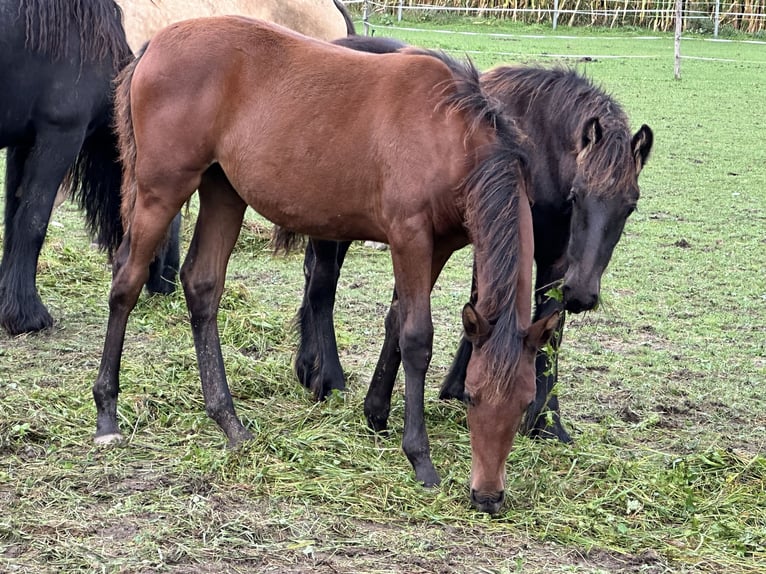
{"x": 579, "y": 300}
{"x": 487, "y": 502}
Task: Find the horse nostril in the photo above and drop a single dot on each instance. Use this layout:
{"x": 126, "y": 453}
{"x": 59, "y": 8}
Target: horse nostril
{"x": 487, "y": 502}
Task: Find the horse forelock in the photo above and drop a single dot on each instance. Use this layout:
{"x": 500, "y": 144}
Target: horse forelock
{"x": 101, "y": 34}
{"x": 609, "y": 169}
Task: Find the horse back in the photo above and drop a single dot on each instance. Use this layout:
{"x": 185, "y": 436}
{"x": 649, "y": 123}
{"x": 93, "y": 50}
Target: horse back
{"x": 316, "y": 18}
{"x": 315, "y": 118}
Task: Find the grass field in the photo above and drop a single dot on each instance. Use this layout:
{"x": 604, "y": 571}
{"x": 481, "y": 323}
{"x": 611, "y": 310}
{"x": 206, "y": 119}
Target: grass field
{"x": 663, "y": 387}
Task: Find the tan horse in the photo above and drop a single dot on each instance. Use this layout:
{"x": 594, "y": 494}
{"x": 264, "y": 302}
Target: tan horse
{"x": 321, "y": 19}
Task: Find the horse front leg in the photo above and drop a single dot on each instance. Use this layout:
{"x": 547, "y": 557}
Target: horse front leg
{"x": 221, "y": 212}
{"x": 33, "y": 176}
{"x": 414, "y": 282}
{"x": 317, "y": 364}
{"x": 377, "y": 402}
{"x": 543, "y": 417}
{"x": 453, "y": 386}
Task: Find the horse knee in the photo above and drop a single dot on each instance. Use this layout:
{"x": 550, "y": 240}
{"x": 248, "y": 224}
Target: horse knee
{"x": 200, "y": 294}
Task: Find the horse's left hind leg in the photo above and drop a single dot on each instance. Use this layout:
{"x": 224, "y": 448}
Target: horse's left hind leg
{"x": 33, "y": 177}
{"x": 203, "y": 273}
{"x": 317, "y": 364}
{"x": 130, "y": 271}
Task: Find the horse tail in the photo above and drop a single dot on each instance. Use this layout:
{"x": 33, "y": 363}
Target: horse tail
{"x": 350, "y": 29}
{"x": 94, "y": 182}
{"x": 284, "y": 241}
{"x": 123, "y": 126}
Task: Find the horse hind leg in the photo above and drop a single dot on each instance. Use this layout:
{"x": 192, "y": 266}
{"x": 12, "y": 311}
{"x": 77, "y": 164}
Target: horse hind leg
{"x": 33, "y": 177}
{"x": 151, "y": 217}
{"x": 317, "y": 364}
{"x": 221, "y": 212}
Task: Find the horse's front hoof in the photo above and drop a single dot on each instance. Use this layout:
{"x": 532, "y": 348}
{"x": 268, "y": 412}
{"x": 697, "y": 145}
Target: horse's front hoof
{"x": 428, "y": 476}
{"x": 105, "y": 439}
{"x": 378, "y": 424}
{"x": 239, "y": 437}
{"x": 553, "y": 431}
{"x": 36, "y": 318}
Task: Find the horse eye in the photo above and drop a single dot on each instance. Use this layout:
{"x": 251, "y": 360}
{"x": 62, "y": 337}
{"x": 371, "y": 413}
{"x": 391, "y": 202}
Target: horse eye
{"x": 572, "y": 197}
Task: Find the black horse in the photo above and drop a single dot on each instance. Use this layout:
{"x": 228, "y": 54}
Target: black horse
{"x": 585, "y": 166}
{"x": 57, "y": 62}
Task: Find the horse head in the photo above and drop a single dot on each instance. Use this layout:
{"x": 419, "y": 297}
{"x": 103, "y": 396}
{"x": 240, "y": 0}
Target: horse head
{"x": 604, "y": 193}
{"x": 493, "y": 417}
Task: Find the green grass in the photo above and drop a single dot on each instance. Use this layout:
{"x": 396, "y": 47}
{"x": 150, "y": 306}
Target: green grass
{"x": 663, "y": 387}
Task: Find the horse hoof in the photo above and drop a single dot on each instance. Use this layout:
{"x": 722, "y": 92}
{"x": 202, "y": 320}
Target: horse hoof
{"x": 111, "y": 438}
{"x": 553, "y": 432}
{"x": 378, "y": 424}
{"x": 37, "y": 320}
{"x": 239, "y": 437}
{"x": 429, "y": 477}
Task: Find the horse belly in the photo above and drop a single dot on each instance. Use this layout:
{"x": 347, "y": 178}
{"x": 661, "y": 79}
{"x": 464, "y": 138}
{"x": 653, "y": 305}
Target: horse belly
{"x": 320, "y": 204}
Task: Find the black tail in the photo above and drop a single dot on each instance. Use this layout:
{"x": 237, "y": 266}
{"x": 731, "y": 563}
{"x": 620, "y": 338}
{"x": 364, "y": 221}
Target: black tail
{"x": 350, "y": 30}
{"x": 94, "y": 181}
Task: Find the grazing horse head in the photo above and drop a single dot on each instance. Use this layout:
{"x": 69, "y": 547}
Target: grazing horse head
{"x": 500, "y": 378}
{"x": 493, "y": 418}
{"x": 604, "y": 193}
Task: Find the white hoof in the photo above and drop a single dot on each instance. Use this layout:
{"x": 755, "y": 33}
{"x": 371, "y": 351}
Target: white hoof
{"x": 113, "y": 438}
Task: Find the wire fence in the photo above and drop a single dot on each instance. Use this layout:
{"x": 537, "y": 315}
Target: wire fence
{"x": 711, "y": 16}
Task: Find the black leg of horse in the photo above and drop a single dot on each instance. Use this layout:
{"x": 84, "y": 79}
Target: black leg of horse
{"x": 203, "y": 274}
{"x": 36, "y": 173}
{"x": 122, "y": 298}
{"x": 317, "y": 365}
{"x": 543, "y": 418}
{"x": 453, "y": 386}
{"x": 164, "y": 268}
{"x": 377, "y": 402}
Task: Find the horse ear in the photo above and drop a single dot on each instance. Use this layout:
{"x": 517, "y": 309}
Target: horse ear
{"x": 642, "y": 145}
{"x": 591, "y": 133}
{"x": 477, "y": 328}
{"x": 541, "y": 331}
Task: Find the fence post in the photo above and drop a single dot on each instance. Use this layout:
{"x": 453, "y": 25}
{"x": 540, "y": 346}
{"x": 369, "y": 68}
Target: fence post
{"x": 399, "y": 12}
{"x": 555, "y": 13}
{"x": 679, "y": 16}
{"x": 366, "y": 17}
{"x": 717, "y": 17}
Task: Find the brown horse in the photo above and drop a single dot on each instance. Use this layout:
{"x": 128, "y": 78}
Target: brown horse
{"x": 426, "y": 165}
